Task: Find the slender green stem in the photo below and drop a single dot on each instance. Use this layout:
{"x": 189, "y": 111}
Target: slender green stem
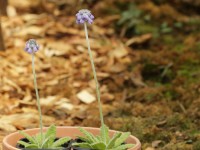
{"x": 37, "y": 96}
{"x": 95, "y": 75}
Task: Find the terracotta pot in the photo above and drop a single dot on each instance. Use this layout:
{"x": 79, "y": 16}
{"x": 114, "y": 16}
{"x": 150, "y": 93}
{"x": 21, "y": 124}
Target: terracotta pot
{"x": 10, "y": 141}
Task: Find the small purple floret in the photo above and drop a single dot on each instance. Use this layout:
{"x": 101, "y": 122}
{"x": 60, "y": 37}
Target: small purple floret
{"x": 83, "y": 16}
{"x": 31, "y": 46}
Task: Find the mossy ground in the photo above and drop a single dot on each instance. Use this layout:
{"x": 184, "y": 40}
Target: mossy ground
{"x": 167, "y": 109}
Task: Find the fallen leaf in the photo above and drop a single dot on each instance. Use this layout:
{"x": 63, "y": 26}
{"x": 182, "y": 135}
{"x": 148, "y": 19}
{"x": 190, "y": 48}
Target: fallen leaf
{"x": 120, "y": 52}
{"x": 149, "y": 148}
{"x": 63, "y": 103}
{"x": 139, "y": 40}
{"x": 30, "y": 30}
{"x": 156, "y": 143}
{"x": 117, "y": 68}
{"x": 86, "y": 97}
{"x": 7, "y": 127}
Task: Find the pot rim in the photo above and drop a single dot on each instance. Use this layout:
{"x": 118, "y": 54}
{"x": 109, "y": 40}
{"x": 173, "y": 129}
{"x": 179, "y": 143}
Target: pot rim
{"x": 6, "y": 138}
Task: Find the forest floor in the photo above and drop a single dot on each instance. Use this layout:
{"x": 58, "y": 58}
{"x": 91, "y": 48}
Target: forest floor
{"x": 149, "y": 80}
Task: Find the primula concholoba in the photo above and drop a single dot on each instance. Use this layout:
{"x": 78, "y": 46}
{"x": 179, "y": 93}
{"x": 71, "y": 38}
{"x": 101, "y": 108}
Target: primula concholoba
{"x": 47, "y": 139}
{"x": 31, "y": 46}
{"x": 49, "y": 142}
{"x": 103, "y": 141}
{"x": 83, "y": 16}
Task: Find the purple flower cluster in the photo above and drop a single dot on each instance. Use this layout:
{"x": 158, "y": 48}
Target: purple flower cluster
{"x": 31, "y": 46}
{"x": 83, "y": 16}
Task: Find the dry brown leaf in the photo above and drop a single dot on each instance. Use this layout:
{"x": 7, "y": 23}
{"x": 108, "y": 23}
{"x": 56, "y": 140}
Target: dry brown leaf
{"x": 156, "y": 143}
{"x": 117, "y": 68}
{"x": 30, "y": 30}
{"x": 21, "y": 120}
{"x": 163, "y": 10}
{"x": 11, "y": 11}
{"x": 57, "y": 49}
{"x": 33, "y": 18}
{"x": 139, "y": 40}
{"x": 27, "y": 96}
{"x": 86, "y": 97}
{"x": 107, "y": 97}
{"x": 63, "y": 29}
{"x": 7, "y": 127}
{"x": 24, "y": 4}
{"x": 9, "y": 85}
{"x": 107, "y": 20}
{"x": 103, "y": 74}
{"x": 48, "y": 101}
{"x": 137, "y": 80}
{"x": 120, "y": 51}
{"x": 64, "y": 104}
{"x": 150, "y": 148}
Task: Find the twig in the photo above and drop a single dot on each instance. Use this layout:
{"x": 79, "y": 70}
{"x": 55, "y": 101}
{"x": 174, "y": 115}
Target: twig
{"x": 3, "y": 7}
{"x": 2, "y": 46}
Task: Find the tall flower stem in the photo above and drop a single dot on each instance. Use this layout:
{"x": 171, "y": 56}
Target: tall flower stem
{"x": 95, "y": 75}
{"x": 37, "y": 96}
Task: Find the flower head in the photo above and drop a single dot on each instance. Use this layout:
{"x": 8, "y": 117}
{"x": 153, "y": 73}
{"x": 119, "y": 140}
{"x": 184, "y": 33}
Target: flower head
{"x": 84, "y": 15}
{"x": 31, "y": 46}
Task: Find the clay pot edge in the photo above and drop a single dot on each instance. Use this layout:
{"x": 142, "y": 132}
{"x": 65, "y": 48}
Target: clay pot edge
{"x": 7, "y": 146}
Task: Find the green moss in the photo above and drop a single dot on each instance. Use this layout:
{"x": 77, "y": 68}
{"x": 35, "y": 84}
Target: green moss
{"x": 194, "y": 133}
{"x": 132, "y": 124}
{"x": 196, "y": 145}
{"x": 163, "y": 136}
{"x": 171, "y": 94}
{"x": 157, "y": 73}
{"x": 189, "y": 70}
{"x": 179, "y": 48}
{"x": 179, "y": 121}
{"x": 150, "y": 96}
{"x": 143, "y": 28}
{"x": 194, "y": 22}
{"x": 197, "y": 47}
{"x": 165, "y": 28}
{"x": 169, "y": 39}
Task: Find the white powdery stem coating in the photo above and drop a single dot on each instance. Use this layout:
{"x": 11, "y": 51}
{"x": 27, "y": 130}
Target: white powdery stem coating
{"x": 37, "y": 97}
{"x": 95, "y": 78}
{"x": 32, "y": 47}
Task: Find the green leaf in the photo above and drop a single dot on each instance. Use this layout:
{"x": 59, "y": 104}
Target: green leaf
{"x": 38, "y": 139}
{"x": 132, "y": 14}
{"x": 91, "y": 138}
{"x": 83, "y": 139}
{"x": 99, "y": 146}
{"x": 103, "y": 141}
{"x": 60, "y": 142}
{"x": 46, "y": 143}
{"x": 99, "y": 138}
{"x": 23, "y": 143}
{"x": 30, "y": 138}
{"x": 51, "y": 134}
{"x": 104, "y": 133}
{"x": 82, "y": 145}
{"x": 122, "y": 138}
{"x": 111, "y": 143}
{"x": 32, "y": 146}
{"x": 123, "y": 147}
